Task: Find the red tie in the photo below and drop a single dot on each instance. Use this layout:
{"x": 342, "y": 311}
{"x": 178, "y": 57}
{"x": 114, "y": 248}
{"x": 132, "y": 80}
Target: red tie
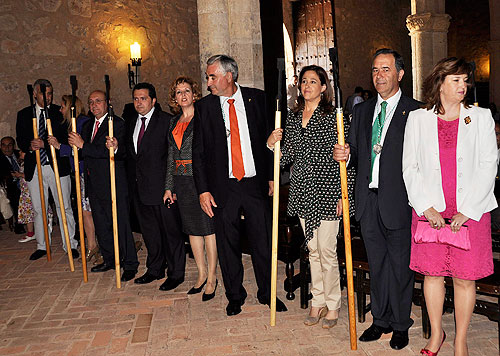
{"x": 96, "y": 128}
{"x": 236, "y": 155}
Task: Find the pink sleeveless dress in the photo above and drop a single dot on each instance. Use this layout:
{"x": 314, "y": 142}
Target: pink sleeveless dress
{"x": 442, "y": 260}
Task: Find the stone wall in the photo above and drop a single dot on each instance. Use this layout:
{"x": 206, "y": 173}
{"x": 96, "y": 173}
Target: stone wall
{"x": 54, "y": 39}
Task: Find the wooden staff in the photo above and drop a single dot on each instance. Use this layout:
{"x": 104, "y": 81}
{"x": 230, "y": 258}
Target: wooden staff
{"x": 40, "y": 177}
{"x": 276, "y": 198}
{"x": 345, "y": 202}
{"x": 58, "y": 182}
{"x": 73, "y": 82}
{"x": 113, "y": 187}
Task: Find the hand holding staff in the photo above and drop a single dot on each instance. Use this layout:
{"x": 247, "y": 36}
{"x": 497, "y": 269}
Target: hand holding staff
{"x": 73, "y": 82}
{"x": 58, "y": 182}
{"x": 40, "y": 177}
{"x": 113, "y": 186}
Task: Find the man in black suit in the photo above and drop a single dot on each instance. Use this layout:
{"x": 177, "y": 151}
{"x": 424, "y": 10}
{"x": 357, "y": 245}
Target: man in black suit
{"x": 26, "y": 142}
{"x": 92, "y": 145}
{"x": 232, "y": 121}
{"x": 375, "y": 145}
{"x": 147, "y": 149}
{"x": 9, "y": 175}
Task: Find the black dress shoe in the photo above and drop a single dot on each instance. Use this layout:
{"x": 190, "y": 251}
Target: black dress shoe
{"x": 171, "y": 283}
{"x": 37, "y": 254}
{"x": 147, "y": 278}
{"x": 128, "y": 275}
{"x": 374, "y": 332}
{"x": 19, "y": 229}
{"x": 196, "y": 290}
{"x": 75, "y": 253}
{"x": 103, "y": 267}
{"x": 280, "y": 306}
{"x": 234, "y": 307}
{"x": 207, "y": 296}
{"x": 399, "y": 339}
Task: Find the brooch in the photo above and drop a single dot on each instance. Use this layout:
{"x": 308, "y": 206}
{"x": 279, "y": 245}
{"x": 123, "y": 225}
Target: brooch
{"x": 467, "y": 120}
{"x": 404, "y": 112}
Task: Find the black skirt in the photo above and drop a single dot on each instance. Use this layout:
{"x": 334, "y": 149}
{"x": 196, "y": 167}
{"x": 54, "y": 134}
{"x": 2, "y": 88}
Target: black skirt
{"x": 194, "y": 220}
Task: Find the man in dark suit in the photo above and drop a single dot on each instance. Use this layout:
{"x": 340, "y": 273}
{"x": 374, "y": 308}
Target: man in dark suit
{"x": 26, "y": 142}
{"x": 92, "y": 145}
{"x": 232, "y": 121}
{"x": 147, "y": 149}
{"x": 375, "y": 145}
{"x": 9, "y": 175}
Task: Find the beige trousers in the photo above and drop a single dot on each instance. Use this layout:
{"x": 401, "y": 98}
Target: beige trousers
{"x": 325, "y": 275}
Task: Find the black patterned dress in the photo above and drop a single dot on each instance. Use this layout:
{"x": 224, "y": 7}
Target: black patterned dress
{"x": 315, "y": 175}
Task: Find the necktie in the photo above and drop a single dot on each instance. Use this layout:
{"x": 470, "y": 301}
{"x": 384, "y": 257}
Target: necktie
{"x": 377, "y": 128}
{"x": 236, "y": 155}
{"x": 96, "y": 128}
{"x": 42, "y": 134}
{"x": 141, "y": 132}
{"x": 13, "y": 163}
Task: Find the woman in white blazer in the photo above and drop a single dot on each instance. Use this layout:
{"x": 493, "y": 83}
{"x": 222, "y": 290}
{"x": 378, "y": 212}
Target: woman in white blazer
{"x": 449, "y": 169}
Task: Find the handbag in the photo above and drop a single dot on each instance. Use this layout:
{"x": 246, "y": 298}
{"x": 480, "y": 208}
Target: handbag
{"x": 426, "y": 234}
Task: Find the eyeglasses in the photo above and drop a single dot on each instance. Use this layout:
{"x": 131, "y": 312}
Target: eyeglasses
{"x": 96, "y": 101}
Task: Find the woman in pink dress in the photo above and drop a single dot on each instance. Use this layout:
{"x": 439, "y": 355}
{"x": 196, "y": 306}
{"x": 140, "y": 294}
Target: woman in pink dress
{"x": 449, "y": 168}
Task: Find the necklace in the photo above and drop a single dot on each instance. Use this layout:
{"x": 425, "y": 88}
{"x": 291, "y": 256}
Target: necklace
{"x": 377, "y": 148}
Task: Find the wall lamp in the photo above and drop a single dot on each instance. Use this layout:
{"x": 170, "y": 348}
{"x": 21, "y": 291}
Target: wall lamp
{"x": 135, "y": 57}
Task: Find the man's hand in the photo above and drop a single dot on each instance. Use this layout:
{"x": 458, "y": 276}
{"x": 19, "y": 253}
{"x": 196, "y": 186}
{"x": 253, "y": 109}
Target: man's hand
{"x": 341, "y": 153}
{"x": 111, "y": 142}
{"x": 37, "y": 143}
{"x": 457, "y": 221}
{"x": 271, "y": 188}
{"x": 53, "y": 142}
{"x": 75, "y": 139}
{"x": 434, "y": 218}
{"x": 207, "y": 202}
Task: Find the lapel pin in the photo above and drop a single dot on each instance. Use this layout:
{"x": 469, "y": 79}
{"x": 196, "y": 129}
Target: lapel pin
{"x": 467, "y": 120}
{"x": 250, "y": 99}
{"x": 404, "y": 112}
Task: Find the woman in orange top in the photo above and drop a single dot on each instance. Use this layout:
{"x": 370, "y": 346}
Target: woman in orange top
{"x": 179, "y": 184}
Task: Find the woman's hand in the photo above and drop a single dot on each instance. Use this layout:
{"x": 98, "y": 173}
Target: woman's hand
{"x": 341, "y": 153}
{"x": 75, "y": 139}
{"x": 168, "y": 196}
{"x": 434, "y": 218}
{"x": 339, "y": 207}
{"x": 53, "y": 142}
{"x": 274, "y": 137}
{"x": 457, "y": 221}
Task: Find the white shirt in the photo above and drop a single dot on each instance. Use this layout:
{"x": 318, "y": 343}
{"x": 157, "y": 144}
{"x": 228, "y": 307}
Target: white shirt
{"x": 100, "y": 123}
{"x": 138, "y": 125}
{"x": 39, "y": 109}
{"x": 392, "y": 103}
{"x": 246, "y": 147}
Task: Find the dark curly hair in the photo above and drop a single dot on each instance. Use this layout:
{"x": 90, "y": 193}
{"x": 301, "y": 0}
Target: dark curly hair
{"x": 174, "y": 107}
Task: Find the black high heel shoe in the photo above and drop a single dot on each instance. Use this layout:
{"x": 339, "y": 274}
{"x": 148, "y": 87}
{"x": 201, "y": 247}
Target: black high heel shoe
{"x": 206, "y": 297}
{"x": 195, "y": 290}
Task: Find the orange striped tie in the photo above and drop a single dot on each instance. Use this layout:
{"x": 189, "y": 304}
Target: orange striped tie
{"x": 236, "y": 155}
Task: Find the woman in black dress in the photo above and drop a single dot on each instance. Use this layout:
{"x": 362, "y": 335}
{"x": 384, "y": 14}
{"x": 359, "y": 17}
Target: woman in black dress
{"x": 179, "y": 185}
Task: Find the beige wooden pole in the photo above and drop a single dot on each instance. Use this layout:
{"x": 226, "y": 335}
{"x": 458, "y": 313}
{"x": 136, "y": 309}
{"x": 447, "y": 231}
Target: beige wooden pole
{"x": 79, "y": 199}
{"x": 61, "y": 201}
{"x": 113, "y": 205}
{"x": 347, "y": 233}
{"x": 276, "y": 207}
{"x": 42, "y": 194}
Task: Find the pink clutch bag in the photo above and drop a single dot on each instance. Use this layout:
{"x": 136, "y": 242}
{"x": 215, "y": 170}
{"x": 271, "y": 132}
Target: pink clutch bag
{"x": 426, "y": 234}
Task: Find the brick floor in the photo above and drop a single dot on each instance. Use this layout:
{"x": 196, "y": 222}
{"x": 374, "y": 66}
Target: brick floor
{"x": 47, "y": 310}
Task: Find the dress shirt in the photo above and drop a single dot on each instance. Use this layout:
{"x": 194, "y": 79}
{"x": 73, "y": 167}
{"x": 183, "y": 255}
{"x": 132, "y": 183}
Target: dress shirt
{"x": 138, "y": 125}
{"x": 38, "y": 111}
{"x": 246, "y": 147}
{"x": 100, "y": 124}
{"x": 392, "y": 103}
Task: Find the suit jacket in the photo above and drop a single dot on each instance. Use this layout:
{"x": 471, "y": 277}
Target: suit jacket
{"x": 24, "y": 131}
{"x": 210, "y": 154}
{"x": 392, "y": 198}
{"x": 146, "y": 169}
{"x": 96, "y": 159}
{"x": 476, "y": 162}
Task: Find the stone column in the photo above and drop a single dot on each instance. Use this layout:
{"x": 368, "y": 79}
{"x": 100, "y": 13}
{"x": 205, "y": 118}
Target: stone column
{"x": 428, "y": 26}
{"x": 232, "y": 27}
{"x": 494, "y": 47}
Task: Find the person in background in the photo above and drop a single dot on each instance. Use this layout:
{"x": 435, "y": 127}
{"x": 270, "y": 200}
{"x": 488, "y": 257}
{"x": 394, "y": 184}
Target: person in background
{"x": 9, "y": 175}
{"x": 67, "y": 151}
{"x": 354, "y": 99}
{"x": 179, "y": 183}
{"x": 315, "y": 193}
{"x": 25, "y": 213}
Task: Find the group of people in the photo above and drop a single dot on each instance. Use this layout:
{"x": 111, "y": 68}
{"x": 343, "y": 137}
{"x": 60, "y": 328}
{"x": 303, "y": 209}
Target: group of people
{"x": 414, "y": 169}
{"x": 423, "y": 176}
